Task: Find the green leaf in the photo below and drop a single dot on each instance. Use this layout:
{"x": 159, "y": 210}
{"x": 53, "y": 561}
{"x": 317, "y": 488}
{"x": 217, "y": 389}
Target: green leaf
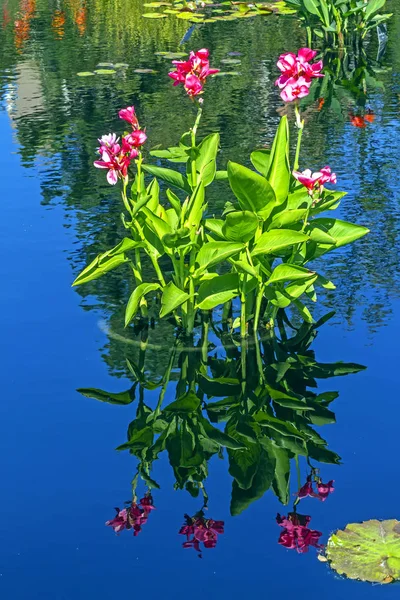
{"x": 279, "y": 168}
{"x": 287, "y": 217}
{"x": 215, "y": 226}
{"x": 158, "y": 225}
{"x": 171, "y": 298}
{"x": 243, "y": 463}
{"x": 281, "y": 481}
{"x": 175, "y": 202}
{"x": 217, "y": 291}
{"x": 153, "y": 193}
{"x": 106, "y": 262}
{"x": 212, "y": 253}
{"x": 121, "y": 398}
{"x": 169, "y": 176}
{"x": 188, "y": 403}
{"x": 196, "y": 208}
{"x": 242, "y": 498}
{"x": 341, "y": 231}
{"x": 135, "y": 298}
{"x": 222, "y": 438}
{"x": 218, "y": 386}
{"x": 368, "y": 551}
{"x": 140, "y": 439}
{"x": 286, "y": 272}
{"x": 206, "y": 158}
{"x": 277, "y": 239}
{"x": 253, "y": 191}
{"x": 240, "y": 226}
{"x": 312, "y": 7}
{"x": 372, "y": 6}
{"x": 260, "y": 160}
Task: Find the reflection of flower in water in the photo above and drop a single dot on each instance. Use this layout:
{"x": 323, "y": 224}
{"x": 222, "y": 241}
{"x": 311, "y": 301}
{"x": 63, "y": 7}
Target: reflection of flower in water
{"x": 199, "y": 530}
{"x": 6, "y": 16}
{"x": 58, "y": 23}
{"x": 296, "y": 533}
{"x": 323, "y": 489}
{"x": 80, "y": 20}
{"x": 22, "y": 24}
{"x": 134, "y": 516}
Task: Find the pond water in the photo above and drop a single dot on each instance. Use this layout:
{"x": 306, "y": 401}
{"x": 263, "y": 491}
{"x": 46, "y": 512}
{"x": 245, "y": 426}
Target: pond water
{"x": 61, "y": 474}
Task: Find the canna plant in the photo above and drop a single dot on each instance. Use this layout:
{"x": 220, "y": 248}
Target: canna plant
{"x": 254, "y": 258}
{"x": 339, "y": 21}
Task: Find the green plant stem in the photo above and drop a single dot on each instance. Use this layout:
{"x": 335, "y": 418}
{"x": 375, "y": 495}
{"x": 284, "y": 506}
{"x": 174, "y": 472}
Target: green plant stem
{"x": 125, "y": 197}
{"x": 193, "y": 140}
{"x": 139, "y": 174}
{"x": 257, "y": 311}
{"x": 243, "y": 331}
{"x": 300, "y": 126}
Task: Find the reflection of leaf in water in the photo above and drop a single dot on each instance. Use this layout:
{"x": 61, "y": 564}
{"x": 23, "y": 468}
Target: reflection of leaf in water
{"x": 154, "y": 15}
{"x": 368, "y": 551}
{"x": 109, "y": 397}
{"x": 145, "y": 71}
{"x": 85, "y": 74}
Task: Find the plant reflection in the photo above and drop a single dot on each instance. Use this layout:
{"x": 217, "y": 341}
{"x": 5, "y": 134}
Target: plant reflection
{"x": 265, "y": 395}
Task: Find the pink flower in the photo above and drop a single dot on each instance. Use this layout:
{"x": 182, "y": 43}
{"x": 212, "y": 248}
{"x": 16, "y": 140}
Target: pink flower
{"x": 295, "y": 88}
{"x": 193, "y": 73}
{"x": 133, "y": 517}
{"x": 327, "y": 176}
{"x": 315, "y": 181}
{"x": 136, "y": 138}
{"x": 199, "y": 530}
{"x": 297, "y": 73}
{"x": 306, "y": 490}
{"x": 324, "y": 489}
{"x": 128, "y": 114}
{"x": 120, "y": 521}
{"x": 296, "y": 534}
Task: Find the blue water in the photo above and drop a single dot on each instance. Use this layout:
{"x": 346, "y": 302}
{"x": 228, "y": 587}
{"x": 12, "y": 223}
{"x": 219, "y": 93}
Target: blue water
{"x": 60, "y": 474}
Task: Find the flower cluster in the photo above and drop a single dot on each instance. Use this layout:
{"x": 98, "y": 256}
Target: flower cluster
{"x": 132, "y": 517}
{"x": 315, "y": 181}
{"x": 297, "y": 73}
{"x": 193, "y": 73}
{"x": 323, "y": 489}
{"x": 199, "y": 530}
{"x": 116, "y": 156}
{"x": 296, "y": 533}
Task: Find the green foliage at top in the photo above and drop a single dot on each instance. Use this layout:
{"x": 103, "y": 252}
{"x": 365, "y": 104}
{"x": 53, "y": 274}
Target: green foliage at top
{"x": 368, "y": 551}
{"x": 339, "y": 20}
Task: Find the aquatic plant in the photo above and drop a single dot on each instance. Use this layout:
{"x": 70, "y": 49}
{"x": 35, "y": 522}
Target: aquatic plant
{"x": 339, "y": 21}
{"x": 254, "y": 258}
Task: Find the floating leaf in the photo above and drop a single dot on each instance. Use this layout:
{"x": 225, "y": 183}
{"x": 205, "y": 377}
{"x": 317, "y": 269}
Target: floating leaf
{"x": 105, "y": 64}
{"x": 171, "y": 55}
{"x": 223, "y": 73}
{"x": 121, "y": 65}
{"x": 156, "y": 4}
{"x": 368, "y": 551}
{"x": 188, "y": 16}
{"x": 154, "y": 15}
{"x": 145, "y": 71}
{"x": 231, "y": 61}
{"x": 85, "y": 73}
{"x": 105, "y": 71}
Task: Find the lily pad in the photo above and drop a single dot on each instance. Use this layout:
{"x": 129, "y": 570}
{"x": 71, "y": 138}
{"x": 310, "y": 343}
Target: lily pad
{"x": 156, "y": 4}
{"x": 368, "y": 551}
{"x": 144, "y": 71}
{"x": 154, "y": 15}
{"x": 105, "y": 64}
{"x": 171, "y": 55}
{"x": 223, "y": 73}
{"x": 231, "y": 61}
{"x": 85, "y": 73}
{"x": 188, "y": 16}
{"x": 105, "y": 71}
{"x": 121, "y": 65}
